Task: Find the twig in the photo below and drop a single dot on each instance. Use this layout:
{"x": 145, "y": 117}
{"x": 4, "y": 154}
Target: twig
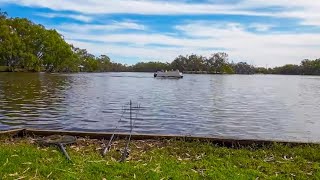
{"x": 22, "y": 177}
{"x": 49, "y": 174}
{"x": 97, "y": 161}
{"x": 6, "y": 162}
{"x": 25, "y": 170}
{"x": 35, "y": 174}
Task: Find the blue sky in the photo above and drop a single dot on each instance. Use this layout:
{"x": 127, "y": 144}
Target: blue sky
{"x": 263, "y": 33}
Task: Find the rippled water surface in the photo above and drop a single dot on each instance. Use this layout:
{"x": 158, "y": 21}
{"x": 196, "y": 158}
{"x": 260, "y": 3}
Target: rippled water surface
{"x": 242, "y": 106}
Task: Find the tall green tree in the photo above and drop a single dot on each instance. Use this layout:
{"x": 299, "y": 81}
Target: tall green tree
{"x": 104, "y": 63}
{"x": 243, "y": 68}
{"x": 28, "y": 46}
{"x": 150, "y": 66}
{"x": 310, "y": 67}
{"x": 180, "y": 63}
{"x": 217, "y": 62}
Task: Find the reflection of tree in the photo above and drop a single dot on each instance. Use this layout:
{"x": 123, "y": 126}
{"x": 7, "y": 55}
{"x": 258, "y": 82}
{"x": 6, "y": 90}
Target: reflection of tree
{"x": 31, "y": 98}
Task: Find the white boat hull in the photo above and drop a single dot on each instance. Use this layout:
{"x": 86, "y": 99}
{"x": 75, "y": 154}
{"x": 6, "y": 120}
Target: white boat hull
{"x": 168, "y": 74}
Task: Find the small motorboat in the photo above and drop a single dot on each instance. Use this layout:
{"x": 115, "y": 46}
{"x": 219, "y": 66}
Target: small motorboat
{"x": 168, "y": 74}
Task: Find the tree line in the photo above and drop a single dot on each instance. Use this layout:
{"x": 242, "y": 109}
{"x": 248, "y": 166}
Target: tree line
{"x": 306, "y": 67}
{"x": 26, "y": 46}
{"x": 217, "y": 63}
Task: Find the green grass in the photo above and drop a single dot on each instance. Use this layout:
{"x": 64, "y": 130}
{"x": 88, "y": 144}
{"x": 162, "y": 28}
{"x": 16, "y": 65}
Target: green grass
{"x": 21, "y": 158}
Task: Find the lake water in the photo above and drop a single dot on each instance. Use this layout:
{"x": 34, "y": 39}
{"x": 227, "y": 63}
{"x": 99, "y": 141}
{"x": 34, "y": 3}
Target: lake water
{"x": 242, "y": 106}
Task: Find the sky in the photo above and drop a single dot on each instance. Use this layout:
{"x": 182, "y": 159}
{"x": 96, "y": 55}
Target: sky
{"x": 261, "y": 32}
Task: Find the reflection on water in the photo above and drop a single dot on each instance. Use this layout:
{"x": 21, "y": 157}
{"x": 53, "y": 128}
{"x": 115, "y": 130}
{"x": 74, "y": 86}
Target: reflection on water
{"x": 35, "y": 100}
{"x": 257, "y": 106}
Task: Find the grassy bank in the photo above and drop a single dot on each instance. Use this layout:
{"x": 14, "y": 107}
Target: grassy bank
{"x": 23, "y": 159}
{"x": 4, "y": 68}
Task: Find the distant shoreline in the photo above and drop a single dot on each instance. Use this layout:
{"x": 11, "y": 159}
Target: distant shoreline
{"x": 4, "y": 69}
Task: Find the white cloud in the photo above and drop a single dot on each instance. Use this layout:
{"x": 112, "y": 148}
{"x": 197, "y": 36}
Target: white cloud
{"x": 143, "y": 52}
{"x": 305, "y": 10}
{"x": 115, "y": 25}
{"x": 79, "y": 17}
{"x": 127, "y": 6}
{"x": 203, "y": 38}
{"x": 273, "y": 48}
{"x": 261, "y": 27}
